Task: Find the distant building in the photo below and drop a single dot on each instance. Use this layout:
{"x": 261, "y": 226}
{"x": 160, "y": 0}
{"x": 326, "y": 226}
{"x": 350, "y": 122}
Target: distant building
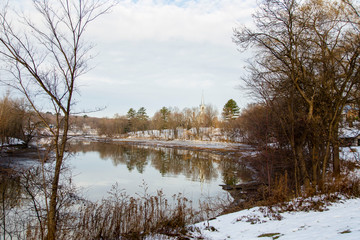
{"x": 349, "y": 137}
{"x": 202, "y": 105}
{"x": 351, "y": 114}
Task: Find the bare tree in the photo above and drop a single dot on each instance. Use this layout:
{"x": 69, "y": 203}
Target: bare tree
{"x": 16, "y": 120}
{"x": 211, "y": 116}
{"x": 305, "y": 70}
{"x": 43, "y": 58}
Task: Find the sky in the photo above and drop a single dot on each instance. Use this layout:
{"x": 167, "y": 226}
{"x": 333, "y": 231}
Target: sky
{"x": 155, "y": 53}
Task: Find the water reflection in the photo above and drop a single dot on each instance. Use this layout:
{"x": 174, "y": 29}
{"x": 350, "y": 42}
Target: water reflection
{"x": 182, "y": 168}
{"x": 10, "y": 190}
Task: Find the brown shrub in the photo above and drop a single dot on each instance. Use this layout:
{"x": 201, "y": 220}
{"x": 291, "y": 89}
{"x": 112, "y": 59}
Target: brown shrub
{"x": 124, "y": 217}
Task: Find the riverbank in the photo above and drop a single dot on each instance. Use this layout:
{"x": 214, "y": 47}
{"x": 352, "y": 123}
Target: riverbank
{"x": 193, "y": 144}
{"x": 17, "y": 155}
{"x": 340, "y": 220}
{"x": 335, "y": 219}
{"x": 189, "y": 144}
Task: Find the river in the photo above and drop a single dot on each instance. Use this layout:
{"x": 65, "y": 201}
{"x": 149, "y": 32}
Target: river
{"x": 197, "y": 174}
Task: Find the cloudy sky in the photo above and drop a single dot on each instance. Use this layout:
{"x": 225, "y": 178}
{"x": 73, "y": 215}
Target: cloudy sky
{"x": 155, "y": 53}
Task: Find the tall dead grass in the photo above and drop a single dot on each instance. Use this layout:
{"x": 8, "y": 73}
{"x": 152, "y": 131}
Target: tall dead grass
{"x": 276, "y": 173}
{"x": 123, "y": 217}
{"x": 118, "y": 216}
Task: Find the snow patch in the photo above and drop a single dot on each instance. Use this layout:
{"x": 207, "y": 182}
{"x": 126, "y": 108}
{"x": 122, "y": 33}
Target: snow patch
{"x": 341, "y": 221}
{"x": 12, "y": 141}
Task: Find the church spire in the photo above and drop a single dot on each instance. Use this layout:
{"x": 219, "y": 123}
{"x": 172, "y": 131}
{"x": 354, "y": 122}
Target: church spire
{"x": 202, "y": 105}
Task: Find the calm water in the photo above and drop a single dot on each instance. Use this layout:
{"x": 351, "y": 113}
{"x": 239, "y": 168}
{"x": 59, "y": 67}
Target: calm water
{"x": 197, "y": 175}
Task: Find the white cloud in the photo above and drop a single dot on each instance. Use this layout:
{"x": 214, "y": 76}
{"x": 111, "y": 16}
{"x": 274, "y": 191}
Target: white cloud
{"x": 194, "y": 21}
{"x": 156, "y": 53}
{"x": 155, "y": 74}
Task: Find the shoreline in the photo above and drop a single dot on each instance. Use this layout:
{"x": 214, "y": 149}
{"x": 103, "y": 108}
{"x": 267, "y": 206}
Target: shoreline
{"x": 176, "y": 143}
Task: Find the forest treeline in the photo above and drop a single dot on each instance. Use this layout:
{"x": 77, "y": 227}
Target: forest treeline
{"x": 17, "y": 120}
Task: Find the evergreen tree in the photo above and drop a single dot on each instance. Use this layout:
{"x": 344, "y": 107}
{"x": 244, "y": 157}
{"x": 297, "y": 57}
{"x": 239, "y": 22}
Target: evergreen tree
{"x": 230, "y": 110}
{"x": 165, "y": 113}
{"x": 141, "y": 114}
{"x": 142, "y": 119}
{"x": 131, "y": 116}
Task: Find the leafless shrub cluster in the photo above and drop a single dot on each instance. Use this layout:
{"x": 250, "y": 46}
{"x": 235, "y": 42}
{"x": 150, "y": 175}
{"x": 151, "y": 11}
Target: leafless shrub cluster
{"x": 118, "y": 216}
{"x": 123, "y": 217}
{"x": 24, "y": 201}
{"x": 306, "y": 75}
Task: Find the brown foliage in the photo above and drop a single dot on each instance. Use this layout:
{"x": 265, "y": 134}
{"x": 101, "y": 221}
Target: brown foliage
{"x": 121, "y": 216}
{"x": 12, "y": 119}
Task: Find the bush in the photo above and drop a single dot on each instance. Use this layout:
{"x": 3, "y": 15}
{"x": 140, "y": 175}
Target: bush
{"x": 124, "y": 217}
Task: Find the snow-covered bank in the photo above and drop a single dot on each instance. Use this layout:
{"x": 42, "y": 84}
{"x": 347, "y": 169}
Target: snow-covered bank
{"x": 186, "y": 143}
{"x": 201, "y": 133}
{"x": 11, "y": 142}
{"x": 340, "y": 221}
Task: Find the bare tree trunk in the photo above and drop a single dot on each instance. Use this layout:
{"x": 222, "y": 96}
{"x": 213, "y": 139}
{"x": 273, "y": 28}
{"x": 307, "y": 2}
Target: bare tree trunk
{"x": 49, "y": 58}
{"x": 315, "y": 162}
{"x": 52, "y": 214}
{"x": 304, "y": 174}
{"x": 336, "y": 157}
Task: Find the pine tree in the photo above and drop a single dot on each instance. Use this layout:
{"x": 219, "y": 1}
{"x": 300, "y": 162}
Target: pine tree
{"x": 165, "y": 113}
{"x": 142, "y": 119}
{"x": 230, "y": 110}
{"x": 141, "y": 114}
{"x": 131, "y": 116}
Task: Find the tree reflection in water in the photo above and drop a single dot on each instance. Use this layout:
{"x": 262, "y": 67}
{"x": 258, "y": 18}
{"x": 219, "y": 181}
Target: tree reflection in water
{"x": 194, "y": 165}
{"x": 197, "y": 174}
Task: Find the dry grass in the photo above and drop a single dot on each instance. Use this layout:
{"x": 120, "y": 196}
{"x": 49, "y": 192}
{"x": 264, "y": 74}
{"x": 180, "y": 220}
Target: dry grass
{"x": 281, "y": 196}
{"x": 119, "y": 216}
{"x": 124, "y": 217}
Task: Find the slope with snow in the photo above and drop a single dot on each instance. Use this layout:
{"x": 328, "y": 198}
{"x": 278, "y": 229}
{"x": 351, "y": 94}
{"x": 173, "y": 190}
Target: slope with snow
{"x": 340, "y": 221}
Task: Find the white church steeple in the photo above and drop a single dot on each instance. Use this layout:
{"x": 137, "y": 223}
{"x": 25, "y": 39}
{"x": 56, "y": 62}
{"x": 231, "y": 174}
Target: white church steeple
{"x": 202, "y": 105}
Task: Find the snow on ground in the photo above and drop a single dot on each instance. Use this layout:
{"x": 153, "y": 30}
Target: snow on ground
{"x": 12, "y": 141}
{"x": 340, "y": 221}
{"x": 350, "y": 153}
{"x": 187, "y": 143}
